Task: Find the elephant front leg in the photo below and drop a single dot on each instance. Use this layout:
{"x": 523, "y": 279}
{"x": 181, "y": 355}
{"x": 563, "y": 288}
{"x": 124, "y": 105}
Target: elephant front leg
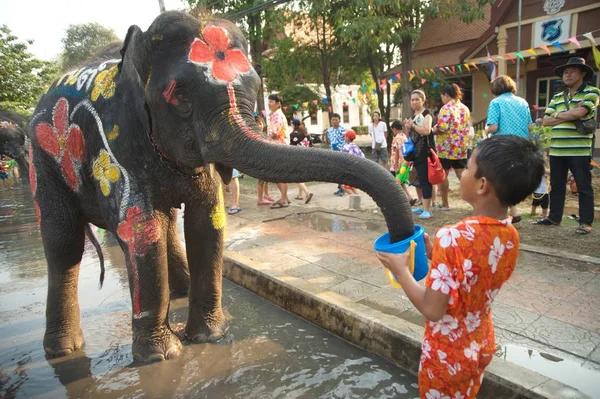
{"x": 142, "y": 238}
{"x": 179, "y": 274}
{"x": 204, "y": 247}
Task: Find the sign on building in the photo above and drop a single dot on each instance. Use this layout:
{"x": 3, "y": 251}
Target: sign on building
{"x": 552, "y": 30}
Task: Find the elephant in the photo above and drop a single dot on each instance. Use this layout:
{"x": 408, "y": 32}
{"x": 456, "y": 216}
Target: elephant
{"x": 13, "y": 141}
{"x": 123, "y": 141}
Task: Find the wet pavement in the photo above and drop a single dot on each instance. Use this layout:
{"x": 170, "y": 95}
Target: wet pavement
{"x": 268, "y": 354}
{"x": 547, "y": 316}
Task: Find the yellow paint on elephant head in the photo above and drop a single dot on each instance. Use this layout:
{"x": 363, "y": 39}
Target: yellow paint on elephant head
{"x": 104, "y": 84}
{"x": 105, "y": 172}
{"x": 114, "y": 133}
{"x": 218, "y": 212}
{"x": 72, "y": 77}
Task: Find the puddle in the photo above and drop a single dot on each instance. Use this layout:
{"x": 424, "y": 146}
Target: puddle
{"x": 569, "y": 372}
{"x": 321, "y": 221}
{"x": 269, "y": 353}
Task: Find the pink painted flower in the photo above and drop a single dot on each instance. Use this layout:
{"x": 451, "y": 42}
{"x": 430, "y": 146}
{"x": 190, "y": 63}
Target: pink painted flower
{"x": 225, "y": 63}
{"x": 139, "y": 230}
{"x": 64, "y": 142}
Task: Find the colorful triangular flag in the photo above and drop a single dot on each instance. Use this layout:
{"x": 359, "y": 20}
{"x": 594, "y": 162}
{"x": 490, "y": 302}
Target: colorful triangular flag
{"x": 467, "y": 66}
{"x": 423, "y": 80}
{"x": 315, "y": 102}
{"x": 398, "y": 75}
{"x": 453, "y": 69}
{"x": 459, "y": 68}
{"x": 507, "y": 55}
{"x": 575, "y": 41}
{"x": 532, "y": 52}
{"x": 557, "y": 44}
{"x": 590, "y": 37}
{"x": 546, "y": 49}
{"x": 474, "y": 66}
{"x": 520, "y": 56}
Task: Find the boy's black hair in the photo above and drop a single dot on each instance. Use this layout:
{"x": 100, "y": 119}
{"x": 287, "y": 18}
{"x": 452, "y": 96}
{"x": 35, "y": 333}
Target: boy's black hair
{"x": 275, "y": 97}
{"x": 513, "y": 165}
{"x": 335, "y": 115}
{"x": 396, "y": 125}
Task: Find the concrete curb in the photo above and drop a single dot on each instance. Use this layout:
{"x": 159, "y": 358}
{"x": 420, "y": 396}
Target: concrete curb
{"x": 560, "y": 254}
{"x": 390, "y": 337}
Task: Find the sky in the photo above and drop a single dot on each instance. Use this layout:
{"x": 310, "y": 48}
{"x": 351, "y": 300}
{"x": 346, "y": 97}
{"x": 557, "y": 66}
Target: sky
{"x": 46, "y": 21}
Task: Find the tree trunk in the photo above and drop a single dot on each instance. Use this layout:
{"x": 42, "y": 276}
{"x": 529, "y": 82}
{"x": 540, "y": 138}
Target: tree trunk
{"x": 256, "y": 54}
{"x": 406, "y": 85}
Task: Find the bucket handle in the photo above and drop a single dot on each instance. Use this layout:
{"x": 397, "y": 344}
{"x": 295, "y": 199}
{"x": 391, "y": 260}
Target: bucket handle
{"x": 393, "y": 281}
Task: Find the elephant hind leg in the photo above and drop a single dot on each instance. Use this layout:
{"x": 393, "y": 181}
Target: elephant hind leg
{"x": 179, "y": 273}
{"x": 63, "y": 237}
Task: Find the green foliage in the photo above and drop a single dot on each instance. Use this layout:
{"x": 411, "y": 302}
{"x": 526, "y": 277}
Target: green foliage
{"x": 82, "y": 41}
{"x": 298, "y": 95}
{"x": 361, "y": 130}
{"x": 541, "y": 136}
{"x": 23, "y": 78}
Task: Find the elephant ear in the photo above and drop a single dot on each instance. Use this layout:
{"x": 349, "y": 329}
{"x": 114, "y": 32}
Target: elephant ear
{"x": 135, "y": 61}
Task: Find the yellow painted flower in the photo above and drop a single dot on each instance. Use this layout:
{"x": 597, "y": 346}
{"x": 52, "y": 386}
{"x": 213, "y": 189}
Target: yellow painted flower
{"x": 104, "y": 83}
{"x": 105, "y": 172}
{"x": 217, "y": 214}
{"x": 114, "y": 133}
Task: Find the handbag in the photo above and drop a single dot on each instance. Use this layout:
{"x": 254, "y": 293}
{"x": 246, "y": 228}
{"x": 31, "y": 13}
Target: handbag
{"x": 435, "y": 171}
{"x": 585, "y": 126}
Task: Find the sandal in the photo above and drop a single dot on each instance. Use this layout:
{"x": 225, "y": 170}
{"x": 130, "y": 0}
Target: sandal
{"x": 264, "y": 202}
{"x": 546, "y": 222}
{"x": 268, "y": 198}
{"x": 583, "y": 229}
{"x": 413, "y": 201}
{"x": 516, "y": 219}
{"x": 308, "y": 198}
{"x": 278, "y": 205}
{"x": 233, "y": 211}
{"x": 299, "y": 198}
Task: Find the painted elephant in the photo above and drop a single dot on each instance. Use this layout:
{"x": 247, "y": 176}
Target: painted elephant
{"x": 122, "y": 143}
{"x": 13, "y": 141}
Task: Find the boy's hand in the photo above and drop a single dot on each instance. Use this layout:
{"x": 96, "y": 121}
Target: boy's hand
{"x": 428, "y": 246}
{"x": 396, "y": 263}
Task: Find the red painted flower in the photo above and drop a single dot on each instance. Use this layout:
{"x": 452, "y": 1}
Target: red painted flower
{"x": 32, "y": 176}
{"x": 64, "y": 142}
{"x": 226, "y": 63}
{"x": 139, "y": 230}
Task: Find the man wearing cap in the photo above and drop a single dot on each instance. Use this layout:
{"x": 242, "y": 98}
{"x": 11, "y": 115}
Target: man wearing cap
{"x": 335, "y": 137}
{"x": 570, "y": 144}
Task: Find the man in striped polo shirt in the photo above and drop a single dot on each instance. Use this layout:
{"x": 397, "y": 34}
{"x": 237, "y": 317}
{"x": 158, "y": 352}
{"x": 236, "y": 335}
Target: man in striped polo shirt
{"x": 569, "y": 148}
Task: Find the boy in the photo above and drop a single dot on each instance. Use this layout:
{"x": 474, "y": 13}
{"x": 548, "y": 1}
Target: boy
{"x": 351, "y": 148}
{"x": 470, "y": 261}
{"x": 397, "y": 159}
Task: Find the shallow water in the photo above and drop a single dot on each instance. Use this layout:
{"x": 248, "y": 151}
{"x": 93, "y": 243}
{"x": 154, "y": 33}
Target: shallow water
{"x": 268, "y": 354}
{"x": 322, "y": 221}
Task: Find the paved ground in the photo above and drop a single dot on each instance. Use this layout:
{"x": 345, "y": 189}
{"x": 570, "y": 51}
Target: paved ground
{"x": 548, "y": 311}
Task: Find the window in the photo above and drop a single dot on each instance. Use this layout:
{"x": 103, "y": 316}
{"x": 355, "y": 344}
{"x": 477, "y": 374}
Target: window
{"x": 313, "y": 117}
{"x": 546, "y": 89}
{"x": 345, "y": 114}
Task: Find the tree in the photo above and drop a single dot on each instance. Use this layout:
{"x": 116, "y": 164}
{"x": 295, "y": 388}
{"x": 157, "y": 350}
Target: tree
{"x": 23, "y": 78}
{"x": 82, "y": 41}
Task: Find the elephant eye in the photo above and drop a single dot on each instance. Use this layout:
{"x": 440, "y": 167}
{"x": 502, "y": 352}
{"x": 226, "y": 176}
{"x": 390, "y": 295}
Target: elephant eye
{"x": 181, "y": 95}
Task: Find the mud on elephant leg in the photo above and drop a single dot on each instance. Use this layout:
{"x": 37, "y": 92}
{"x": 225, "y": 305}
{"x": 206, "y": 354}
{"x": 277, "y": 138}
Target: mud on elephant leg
{"x": 204, "y": 243}
{"x": 64, "y": 249}
{"x": 146, "y": 258}
{"x": 179, "y": 274}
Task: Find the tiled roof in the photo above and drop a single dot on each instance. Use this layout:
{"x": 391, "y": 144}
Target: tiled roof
{"x": 437, "y": 58}
{"x": 439, "y": 32}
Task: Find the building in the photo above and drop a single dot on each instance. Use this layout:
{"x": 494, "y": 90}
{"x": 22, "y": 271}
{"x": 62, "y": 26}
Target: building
{"x": 551, "y": 32}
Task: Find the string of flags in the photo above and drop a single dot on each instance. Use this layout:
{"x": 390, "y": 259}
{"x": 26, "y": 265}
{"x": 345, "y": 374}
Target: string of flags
{"x": 513, "y": 57}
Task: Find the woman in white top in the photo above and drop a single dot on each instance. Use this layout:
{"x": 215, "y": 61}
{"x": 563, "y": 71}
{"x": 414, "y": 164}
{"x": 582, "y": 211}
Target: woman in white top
{"x": 377, "y": 131}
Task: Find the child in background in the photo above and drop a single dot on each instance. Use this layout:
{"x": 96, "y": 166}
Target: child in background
{"x": 4, "y": 171}
{"x": 351, "y": 148}
{"x": 397, "y": 159}
{"x": 541, "y": 197}
{"x": 470, "y": 261}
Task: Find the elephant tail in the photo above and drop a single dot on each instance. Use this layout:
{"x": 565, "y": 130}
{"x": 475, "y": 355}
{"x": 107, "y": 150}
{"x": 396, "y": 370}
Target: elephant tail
{"x": 92, "y": 237}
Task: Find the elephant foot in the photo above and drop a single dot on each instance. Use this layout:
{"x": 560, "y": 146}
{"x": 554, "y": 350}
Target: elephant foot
{"x": 160, "y": 346}
{"x": 207, "y": 333}
{"x": 58, "y": 344}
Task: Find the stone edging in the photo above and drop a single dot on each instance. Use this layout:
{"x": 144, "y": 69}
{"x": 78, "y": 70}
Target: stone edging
{"x": 388, "y": 336}
{"x": 560, "y": 254}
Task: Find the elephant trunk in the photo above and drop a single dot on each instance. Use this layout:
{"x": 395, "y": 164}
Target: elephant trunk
{"x": 278, "y": 163}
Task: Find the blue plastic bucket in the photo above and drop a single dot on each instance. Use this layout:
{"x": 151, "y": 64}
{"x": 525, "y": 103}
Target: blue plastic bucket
{"x": 382, "y": 244}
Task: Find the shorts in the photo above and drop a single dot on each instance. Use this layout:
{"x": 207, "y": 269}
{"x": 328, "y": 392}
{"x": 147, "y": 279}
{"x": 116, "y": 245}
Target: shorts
{"x": 346, "y": 187}
{"x": 3, "y": 175}
{"x": 540, "y": 199}
{"x": 235, "y": 174}
{"x": 453, "y": 163}
{"x": 380, "y": 155}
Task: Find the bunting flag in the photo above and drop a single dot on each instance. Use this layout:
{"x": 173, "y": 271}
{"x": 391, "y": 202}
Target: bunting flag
{"x": 375, "y": 91}
{"x": 350, "y": 93}
{"x": 435, "y": 84}
{"x": 508, "y": 56}
{"x": 325, "y": 100}
{"x": 398, "y": 76}
{"x": 354, "y": 100}
{"x": 383, "y": 81}
{"x": 420, "y": 70}
{"x": 432, "y": 71}
{"x": 484, "y": 95}
{"x": 546, "y": 49}
{"x": 284, "y": 108}
{"x": 474, "y": 65}
{"x": 315, "y": 102}
{"x": 423, "y": 81}
{"x": 448, "y": 69}
{"x": 392, "y": 78}
{"x": 596, "y": 53}
{"x": 442, "y": 69}
{"x": 520, "y": 56}
{"x": 264, "y": 112}
{"x": 305, "y": 105}
{"x": 492, "y": 65}
{"x": 295, "y": 106}
{"x": 590, "y": 37}
{"x": 453, "y": 69}
{"x": 535, "y": 107}
{"x": 532, "y": 52}
{"x": 410, "y": 76}
{"x": 329, "y": 108}
{"x": 459, "y": 68}
{"x": 557, "y": 44}
{"x": 364, "y": 88}
{"x": 575, "y": 41}
{"x": 467, "y": 66}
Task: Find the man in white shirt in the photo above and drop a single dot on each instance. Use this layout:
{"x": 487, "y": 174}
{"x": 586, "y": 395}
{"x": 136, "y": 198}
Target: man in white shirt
{"x": 378, "y": 131}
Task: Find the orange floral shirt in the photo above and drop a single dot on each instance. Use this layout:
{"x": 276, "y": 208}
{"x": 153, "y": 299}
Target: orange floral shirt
{"x": 471, "y": 261}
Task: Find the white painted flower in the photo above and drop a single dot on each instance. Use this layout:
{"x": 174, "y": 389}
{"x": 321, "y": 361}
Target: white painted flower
{"x": 430, "y": 374}
{"x": 472, "y": 321}
{"x": 442, "y": 356}
{"x": 496, "y": 252}
{"x": 458, "y": 395}
{"x": 448, "y": 236}
{"x": 509, "y": 244}
{"x": 472, "y": 351}
{"x": 442, "y": 279}
{"x": 490, "y": 295}
{"x": 454, "y": 369}
{"x": 435, "y": 394}
{"x": 425, "y": 349}
{"x": 445, "y": 325}
{"x": 455, "y": 335}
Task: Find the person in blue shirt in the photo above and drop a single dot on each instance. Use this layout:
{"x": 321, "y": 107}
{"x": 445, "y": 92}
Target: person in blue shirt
{"x": 508, "y": 114}
{"x": 335, "y": 138}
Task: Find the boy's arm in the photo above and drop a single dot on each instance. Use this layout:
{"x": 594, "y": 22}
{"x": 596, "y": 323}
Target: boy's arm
{"x": 432, "y": 304}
